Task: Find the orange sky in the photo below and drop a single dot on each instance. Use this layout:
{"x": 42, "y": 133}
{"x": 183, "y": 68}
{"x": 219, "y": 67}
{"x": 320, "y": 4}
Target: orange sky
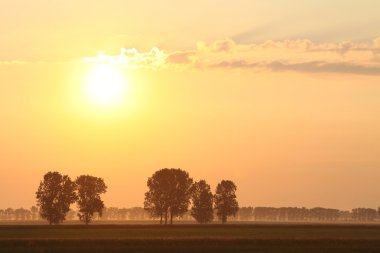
{"x": 286, "y": 107}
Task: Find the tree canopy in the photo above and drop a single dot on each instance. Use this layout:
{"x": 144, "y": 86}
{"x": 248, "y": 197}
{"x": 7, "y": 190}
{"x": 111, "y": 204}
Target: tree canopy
{"x": 55, "y": 194}
{"x": 225, "y": 200}
{"x": 89, "y": 201}
{"x": 169, "y": 193}
{"x": 202, "y": 200}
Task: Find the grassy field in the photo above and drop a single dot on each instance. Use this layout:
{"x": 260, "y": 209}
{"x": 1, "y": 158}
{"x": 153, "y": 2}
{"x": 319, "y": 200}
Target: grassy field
{"x": 191, "y": 238}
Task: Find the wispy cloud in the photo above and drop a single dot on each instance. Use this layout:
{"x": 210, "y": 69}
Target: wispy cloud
{"x": 324, "y": 67}
{"x": 132, "y": 58}
{"x": 12, "y": 62}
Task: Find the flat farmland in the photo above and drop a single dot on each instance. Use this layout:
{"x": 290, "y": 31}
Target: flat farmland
{"x": 191, "y": 238}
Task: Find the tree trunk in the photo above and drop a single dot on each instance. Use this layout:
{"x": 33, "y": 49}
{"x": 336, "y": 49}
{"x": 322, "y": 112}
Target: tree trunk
{"x": 166, "y": 217}
{"x": 86, "y": 219}
{"x": 171, "y": 217}
{"x": 224, "y": 219}
{"x": 161, "y": 218}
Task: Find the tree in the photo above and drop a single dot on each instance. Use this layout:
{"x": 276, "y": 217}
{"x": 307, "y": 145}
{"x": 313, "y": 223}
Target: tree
{"x": 155, "y": 199}
{"x": 245, "y": 213}
{"x": 55, "y": 194}
{"x": 89, "y": 202}
{"x": 364, "y": 214}
{"x": 9, "y": 213}
{"x": 180, "y": 192}
{"x": 225, "y": 200}
{"x": 136, "y": 213}
{"x": 34, "y": 211}
{"x": 169, "y": 194}
{"x": 22, "y": 214}
{"x": 202, "y": 199}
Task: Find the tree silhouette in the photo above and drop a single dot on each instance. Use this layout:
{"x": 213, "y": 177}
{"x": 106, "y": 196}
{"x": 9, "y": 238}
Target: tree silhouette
{"x": 9, "y": 213}
{"x": 136, "y": 213}
{"x": 364, "y": 214}
{"x": 55, "y": 194}
{"x": 34, "y": 211}
{"x": 225, "y": 200}
{"x": 245, "y": 213}
{"x": 202, "y": 199}
{"x": 169, "y": 194}
{"x": 156, "y": 202}
{"x": 180, "y": 189}
{"x": 22, "y": 214}
{"x": 89, "y": 202}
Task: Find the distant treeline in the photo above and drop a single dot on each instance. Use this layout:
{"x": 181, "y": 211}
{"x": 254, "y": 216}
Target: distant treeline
{"x": 317, "y": 214}
{"x": 306, "y": 214}
{"x": 111, "y": 213}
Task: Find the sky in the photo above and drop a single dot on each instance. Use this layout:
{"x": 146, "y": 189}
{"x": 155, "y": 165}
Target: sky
{"x": 281, "y": 97}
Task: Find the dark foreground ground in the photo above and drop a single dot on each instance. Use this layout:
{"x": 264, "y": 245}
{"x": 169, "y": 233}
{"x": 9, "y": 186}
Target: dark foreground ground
{"x": 191, "y": 238}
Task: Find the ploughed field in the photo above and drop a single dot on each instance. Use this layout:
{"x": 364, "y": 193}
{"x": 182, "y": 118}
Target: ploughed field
{"x": 191, "y": 238}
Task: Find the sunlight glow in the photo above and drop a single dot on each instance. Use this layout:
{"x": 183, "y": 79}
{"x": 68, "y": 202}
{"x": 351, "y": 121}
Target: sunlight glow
{"x": 105, "y": 85}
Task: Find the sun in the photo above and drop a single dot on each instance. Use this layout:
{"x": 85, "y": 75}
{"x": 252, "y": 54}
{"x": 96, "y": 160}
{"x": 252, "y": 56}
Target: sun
{"x": 105, "y": 85}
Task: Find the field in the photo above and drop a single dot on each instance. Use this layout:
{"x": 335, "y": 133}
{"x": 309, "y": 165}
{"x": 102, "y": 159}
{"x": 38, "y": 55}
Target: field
{"x": 191, "y": 238}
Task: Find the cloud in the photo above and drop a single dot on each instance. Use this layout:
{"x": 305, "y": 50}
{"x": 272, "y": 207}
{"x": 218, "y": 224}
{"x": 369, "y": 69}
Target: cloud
{"x": 181, "y": 57}
{"x": 241, "y": 64}
{"x": 325, "y": 67}
{"x": 345, "y": 57}
{"x": 306, "y": 67}
{"x": 154, "y": 59}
